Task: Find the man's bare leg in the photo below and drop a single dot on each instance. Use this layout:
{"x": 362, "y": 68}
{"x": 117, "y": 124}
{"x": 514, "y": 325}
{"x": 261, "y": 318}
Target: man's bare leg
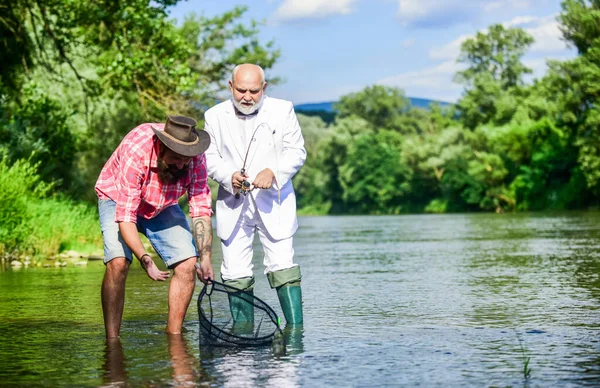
{"x": 113, "y": 295}
{"x": 180, "y": 294}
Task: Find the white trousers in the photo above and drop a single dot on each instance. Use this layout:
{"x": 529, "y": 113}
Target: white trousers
{"x": 238, "y": 249}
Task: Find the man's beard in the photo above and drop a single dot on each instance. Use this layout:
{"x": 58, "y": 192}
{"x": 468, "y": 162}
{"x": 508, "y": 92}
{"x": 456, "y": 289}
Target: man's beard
{"x": 170, "y": 174}
{"x": 247, "y": 110}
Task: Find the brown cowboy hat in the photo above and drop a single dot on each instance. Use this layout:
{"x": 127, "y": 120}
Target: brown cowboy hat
{"x": 181, "y": 137}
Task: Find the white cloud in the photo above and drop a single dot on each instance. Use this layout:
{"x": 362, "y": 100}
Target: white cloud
{"x": 433, "y": 12}
{"x": 450, "y": 50}
{"x": 545, "y": 31}
{"x": 426, "y": 13}
{"x": 406, "y": 43}
{"x": 537, "y": 65}
{"x": 437, "y": 81}
{"x": 520, "y": 21}
{"x": 493, "y": 6}
{"x": 312, "y": 9}
{"x": 433, "y": 82}
{"x": 547, "y": 35}
{"x": 415, "y": 10}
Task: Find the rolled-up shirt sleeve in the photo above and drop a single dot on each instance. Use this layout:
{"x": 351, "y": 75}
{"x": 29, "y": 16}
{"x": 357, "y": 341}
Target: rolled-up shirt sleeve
{"x": 128, "y": 181}
{"x": 199, "y": 196}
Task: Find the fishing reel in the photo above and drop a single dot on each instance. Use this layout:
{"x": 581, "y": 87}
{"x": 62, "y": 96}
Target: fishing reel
{"x": 245, "y": 186}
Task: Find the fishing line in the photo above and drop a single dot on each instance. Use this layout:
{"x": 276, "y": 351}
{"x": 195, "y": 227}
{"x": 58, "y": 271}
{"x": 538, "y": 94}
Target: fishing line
{"x": 246, "y": 165}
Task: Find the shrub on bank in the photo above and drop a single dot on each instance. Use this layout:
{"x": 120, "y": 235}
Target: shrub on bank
{"x": 34, "y": 223}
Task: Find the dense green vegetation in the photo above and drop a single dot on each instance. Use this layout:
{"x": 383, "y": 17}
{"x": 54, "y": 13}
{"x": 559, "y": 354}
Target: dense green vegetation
{"x": 77, "y": 75}
{"x": 505, "y": 146}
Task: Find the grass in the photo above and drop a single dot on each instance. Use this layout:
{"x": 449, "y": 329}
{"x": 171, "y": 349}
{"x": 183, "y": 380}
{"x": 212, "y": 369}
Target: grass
{"x": 36, "y": 224}
{"x": 525, "y": 358}
{"x": 58, "y": 225}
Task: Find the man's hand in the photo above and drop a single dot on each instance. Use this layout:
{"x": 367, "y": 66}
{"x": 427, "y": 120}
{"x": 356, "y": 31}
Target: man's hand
{"x": 204, "y": 270}
{"x": 152, "y": 270}
{"x": 237, "y": 179}
{"x": 132, "y": 239}
{"x": 264, "y": 179}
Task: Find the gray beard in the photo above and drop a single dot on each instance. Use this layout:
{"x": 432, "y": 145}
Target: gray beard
{"x": 247, "y": 110}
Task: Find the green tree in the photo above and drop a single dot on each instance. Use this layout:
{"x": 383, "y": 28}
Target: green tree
{"x": 494, "y": 75}
{"x": 546, "y": 175}
{"x": 575, "y": 85}
{"x": 16, "y": 45}
{"x": 333, "y": 154}
{"x": 106, "y": 66}
{"x": 38, "y": 130}
{"x": 384, "y": 107}
{"x": 497, "y": 53}
{"x": 580, "y": 23}
{"x": 373, "y": 178}
{"x": 310, "y": 182}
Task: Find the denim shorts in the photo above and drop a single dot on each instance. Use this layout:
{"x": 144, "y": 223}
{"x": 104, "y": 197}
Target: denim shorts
{"x": 168, "y": 232}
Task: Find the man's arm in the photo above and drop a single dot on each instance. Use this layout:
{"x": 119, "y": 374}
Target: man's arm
{"x": 132, "y": 239}
{"x": 202, "y": 231}
{"x": 219, "y": 169}
{"x": 292, "y": 155}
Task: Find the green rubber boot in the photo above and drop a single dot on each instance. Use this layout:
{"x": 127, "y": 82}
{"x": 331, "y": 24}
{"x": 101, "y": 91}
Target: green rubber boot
{"x": 290, "y": 298}
{"x": 240, "y": 304}
{"x": 289, "y": 292}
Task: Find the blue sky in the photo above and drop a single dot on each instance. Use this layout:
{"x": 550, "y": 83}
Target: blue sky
{"x": 334, "y": 47}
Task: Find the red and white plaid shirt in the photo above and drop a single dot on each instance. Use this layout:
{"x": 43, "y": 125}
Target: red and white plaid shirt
{"x": 130, "y": 178}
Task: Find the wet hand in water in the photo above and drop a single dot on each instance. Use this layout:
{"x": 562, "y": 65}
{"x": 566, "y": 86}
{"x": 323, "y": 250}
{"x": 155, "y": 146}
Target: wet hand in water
{"x": 152, "y": 270}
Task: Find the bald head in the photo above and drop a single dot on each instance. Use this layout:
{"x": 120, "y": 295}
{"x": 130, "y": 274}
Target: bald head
{"x": 247, "y": 86}
{"x": 246, "y": 71}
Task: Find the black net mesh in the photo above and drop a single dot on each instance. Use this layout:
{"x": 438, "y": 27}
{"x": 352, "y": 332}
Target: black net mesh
{"x": 232, "y": 317}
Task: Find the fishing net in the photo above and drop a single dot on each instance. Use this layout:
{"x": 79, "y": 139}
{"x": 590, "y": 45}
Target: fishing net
{"x": 232, "y": 317}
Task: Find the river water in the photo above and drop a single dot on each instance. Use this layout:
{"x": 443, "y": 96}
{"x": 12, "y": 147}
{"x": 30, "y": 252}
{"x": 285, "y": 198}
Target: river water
{"x": 415, "y": 300}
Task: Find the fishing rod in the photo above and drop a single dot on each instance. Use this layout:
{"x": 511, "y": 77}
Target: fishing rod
{"x": 245, "y": 184}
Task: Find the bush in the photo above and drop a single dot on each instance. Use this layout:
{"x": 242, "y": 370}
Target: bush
{"x": 33, "y": 223}
{"x": 60, "y": 224}
{"x": 19, "y": 185}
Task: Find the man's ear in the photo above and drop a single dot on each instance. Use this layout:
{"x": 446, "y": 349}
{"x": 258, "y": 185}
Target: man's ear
{"x": 265, "y": 87}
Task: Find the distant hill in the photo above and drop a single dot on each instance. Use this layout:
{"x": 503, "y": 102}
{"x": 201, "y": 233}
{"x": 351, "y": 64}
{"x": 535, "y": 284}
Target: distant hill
{"x": 328, "y": 106}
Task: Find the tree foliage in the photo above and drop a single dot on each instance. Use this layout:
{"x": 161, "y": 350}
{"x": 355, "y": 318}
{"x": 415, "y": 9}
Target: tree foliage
{"x": 509, "y": 146}
{"x": 575, "y": 85}
{"x": 494, "y": 75}
{"x": 76, "y": 76}
{"x": 81, "y": 74}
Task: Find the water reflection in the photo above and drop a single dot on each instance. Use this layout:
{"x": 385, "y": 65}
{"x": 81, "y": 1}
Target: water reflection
{"x": 274, "y": 366}
{"x": 184, "y": 374}
{"x": 294, "y": 339}
{"x": 115, "y": 374}
{"x": 182, "y": 363}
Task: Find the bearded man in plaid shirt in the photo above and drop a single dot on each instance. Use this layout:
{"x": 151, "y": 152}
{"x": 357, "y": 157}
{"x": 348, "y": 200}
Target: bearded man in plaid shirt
{"x": 138, "y": 192}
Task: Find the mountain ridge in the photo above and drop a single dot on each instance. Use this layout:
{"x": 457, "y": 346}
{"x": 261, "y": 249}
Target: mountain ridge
{"x": 327, "y": 106}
